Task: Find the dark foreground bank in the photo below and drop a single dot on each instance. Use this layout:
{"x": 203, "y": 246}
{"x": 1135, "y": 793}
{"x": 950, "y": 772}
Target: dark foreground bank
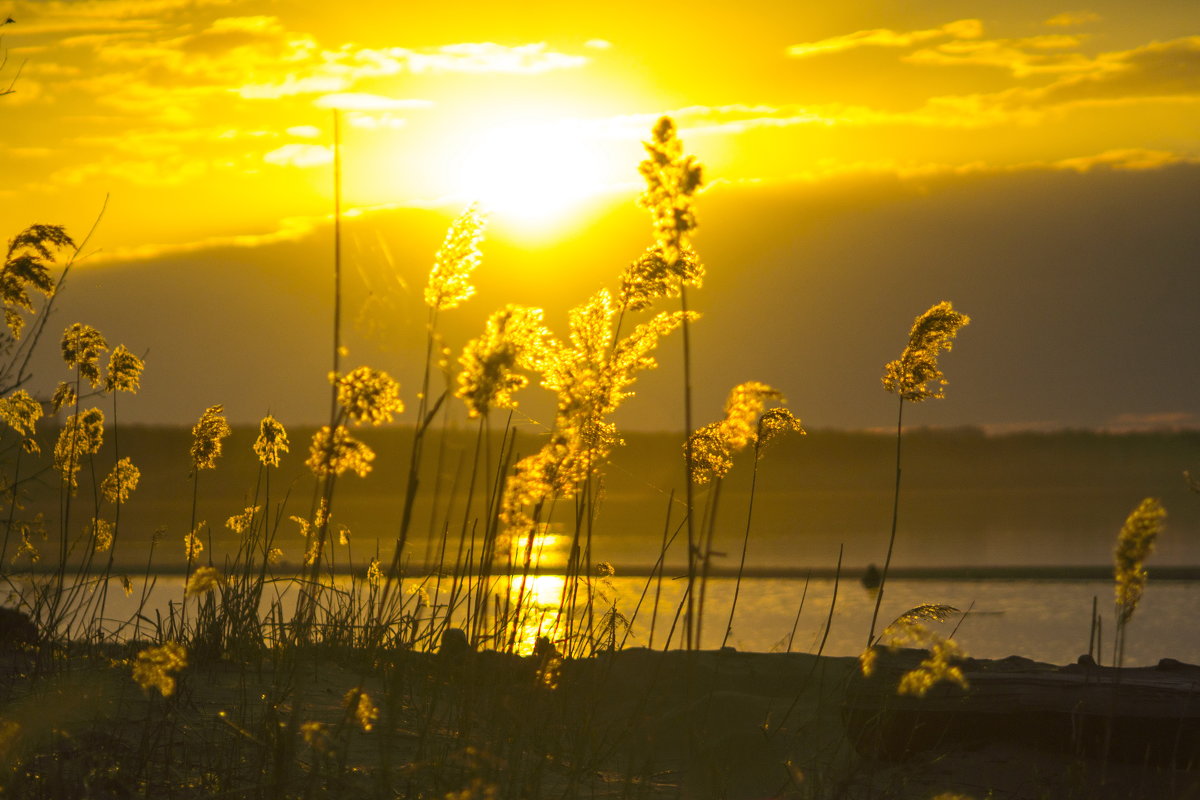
{"x": 314, "y": 722}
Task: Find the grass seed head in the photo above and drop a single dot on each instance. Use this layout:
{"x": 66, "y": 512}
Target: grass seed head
{"x": 742, "y": 409}
{"x": 776, "y": 423}
{"x": 449, "y": 280}
{"x": 123, "y": 479}
{"x": 102, "y": 534}
{"x": 240, "y": 523}
{"x": 81, "y": 436}
{"x": 207, "y": 436}
{"x": 81, "y": 349}
{"x": 652, "y": 277}
{"x": 271, "y": 442}
{"x": 710, "y": 454}
{"x": 124, "y": 371}
{"x": 364, "y": 712}
{"x": 64, "y": 395}
{"x": 21, "y": 412}
{"x": 203, "y": 580}
{"x": 671, "y": 180}
{"x": 513, "y": 336}
{"x": 192, "y": 544}
{"x": 334, "y": 451}
{"x": 368, "y": 395}
{"x": 25, "y": 268}
{"x": 154, "y": 667}
{"x": 932, "y": 332}
{"x": 1135, "y": 543}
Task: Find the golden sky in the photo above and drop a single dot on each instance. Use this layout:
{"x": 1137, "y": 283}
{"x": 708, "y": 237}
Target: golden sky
{"x": 212, "y": 118}
{"x": 208, "y": 123}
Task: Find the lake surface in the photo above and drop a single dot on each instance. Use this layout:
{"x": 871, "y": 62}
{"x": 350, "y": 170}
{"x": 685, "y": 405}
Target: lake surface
{"x": 969, "y": 501}
{"x": 1047, "y": 621}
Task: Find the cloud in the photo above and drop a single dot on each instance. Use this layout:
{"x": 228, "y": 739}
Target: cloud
{"x": 305, "y": 131}
{"x": 157, "y": 141}
{"x": 1154, "y": 70}
{"x": 29, "y": 152}
{"x": 290, "y": 229}
{"x": 1023, "y": 57}
{"x": 50, "y": 69}
{"x": 735, "y": 119}
{"x": 37, "y": 17}
{"x": 467, "y": 57}
{"x": 158, "y": 171}
{"x": 598, "y": 44}
{"x": 727, "y": 119}
{"x": 23, "y": 91}
{"x": 1158, "y": 72}
{"x": 1071, "y": 18}
{"x": 292, "y": 85}
{"x": 922, "y": 172}
{"x": 1156, "y": 421}
{"x": 375, "y": 120}
{"x": 299, "y": 155}
{"x": 360, "y": 101}
{"x": 490, "y": 57}
{"x": 1127, "y": 159}
{"x": 885, "y": 37}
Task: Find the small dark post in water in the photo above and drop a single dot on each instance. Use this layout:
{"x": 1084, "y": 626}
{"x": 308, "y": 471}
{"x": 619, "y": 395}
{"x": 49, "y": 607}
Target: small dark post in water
{"x": 872, "y": 578}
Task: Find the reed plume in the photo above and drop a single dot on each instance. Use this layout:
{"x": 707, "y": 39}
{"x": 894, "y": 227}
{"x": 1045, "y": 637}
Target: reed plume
{"x": 652, "y": 276}
{"x": 272, "y": 441}
{"x": 909, "y": 377}
{"x": 25, "y": 269}
{"x": 82, "y": 435}
{"x": 1135, "y": 543}
{"x": 154, "y": 667}
{"x": 772, "y": 425}
{"x": 123, "y": 479}
{"x": 368, "y": 395}
{"x": 710, "y": 449}
{"x": 513, "y": 336}
{"x": 932, "y": 332}
{"x": 334, "y": 451}
{"x": 910, "y": 629}
{"x": 124, "y": 371}
{"x": 207, "y": 437}
{"x": 81, "y": 349}
{"x": 449, "y": 279}
{"x": 672, "y": 179}
{"x": 21, "y": 413}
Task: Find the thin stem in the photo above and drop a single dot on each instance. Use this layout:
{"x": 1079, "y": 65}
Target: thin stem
{"x": 687, "y": 469}
{"x": 112, "y": 547}
{"x": 737, "y": 584}
{"x": 337, "y": 246}
{"x": 892, "y": 539}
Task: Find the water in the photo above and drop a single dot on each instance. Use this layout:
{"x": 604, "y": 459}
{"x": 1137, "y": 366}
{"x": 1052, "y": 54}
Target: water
{"x": 968, "y": 501}
{"x": 1047, "y": 621}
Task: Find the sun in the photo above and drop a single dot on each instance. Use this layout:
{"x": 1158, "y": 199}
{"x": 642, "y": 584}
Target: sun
{"x": 534, "y": 176}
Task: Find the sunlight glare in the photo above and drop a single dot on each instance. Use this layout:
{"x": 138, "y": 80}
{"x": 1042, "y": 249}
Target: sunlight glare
{"x": 531, "y": 177}
{"x": 540, "y": 598}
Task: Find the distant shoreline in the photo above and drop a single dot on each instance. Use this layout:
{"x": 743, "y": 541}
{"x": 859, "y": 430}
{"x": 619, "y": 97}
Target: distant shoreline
{"x": 672, "y": 571}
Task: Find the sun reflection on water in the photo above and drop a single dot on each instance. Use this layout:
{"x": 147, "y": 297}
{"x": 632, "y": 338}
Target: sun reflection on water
{"x": 537, "y": 602}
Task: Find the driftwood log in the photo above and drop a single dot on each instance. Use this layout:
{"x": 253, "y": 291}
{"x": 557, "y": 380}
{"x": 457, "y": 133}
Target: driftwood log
{"x": 1142, "y": 715}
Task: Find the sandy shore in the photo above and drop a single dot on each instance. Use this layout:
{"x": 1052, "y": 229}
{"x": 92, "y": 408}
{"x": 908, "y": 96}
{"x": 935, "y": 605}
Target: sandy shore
{"x": 634, "y": 723}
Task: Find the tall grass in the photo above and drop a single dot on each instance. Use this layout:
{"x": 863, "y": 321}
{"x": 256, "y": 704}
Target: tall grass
{"x": 913, "y": 378}
{"x": 489, "y": 674}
